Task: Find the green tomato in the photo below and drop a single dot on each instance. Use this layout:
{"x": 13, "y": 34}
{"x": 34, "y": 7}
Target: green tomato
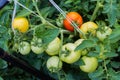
{"x": 54, "y": 64}
{"x": 68, "y": 54}
{"x": 53, "y": 47}
{"x": 24, "y": 48}
{"x": 101, "y": 35}
{"x": 37, "y": 45}
{"x": 91, "y": 64}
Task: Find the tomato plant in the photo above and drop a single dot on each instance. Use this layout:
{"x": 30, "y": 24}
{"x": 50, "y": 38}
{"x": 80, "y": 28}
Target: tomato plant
{"x": 74, "y": 16}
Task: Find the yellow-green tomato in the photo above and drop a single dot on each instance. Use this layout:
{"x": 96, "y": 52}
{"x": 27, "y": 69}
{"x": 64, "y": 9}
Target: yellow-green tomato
{"x": 54, "y": 64}
{"x": 68, "y": 54}
{"x": 53, "y": 47}
{"x": 91, "y": 64}
{"x": 88, "y": 27}
{"x": 37, "y": 45}
{"x": 24, "y": 48}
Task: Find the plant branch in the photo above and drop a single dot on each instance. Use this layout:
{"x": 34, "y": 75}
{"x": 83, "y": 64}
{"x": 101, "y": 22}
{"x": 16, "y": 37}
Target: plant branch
{"x": 98, "y": 6}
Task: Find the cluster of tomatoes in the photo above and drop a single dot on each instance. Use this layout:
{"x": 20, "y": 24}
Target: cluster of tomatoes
{"x": 64, "y": 53}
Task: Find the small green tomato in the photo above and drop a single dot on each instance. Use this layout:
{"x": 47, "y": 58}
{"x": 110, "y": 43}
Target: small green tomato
{"x": 24, "y": 48}
{"x": 54, "y": 64}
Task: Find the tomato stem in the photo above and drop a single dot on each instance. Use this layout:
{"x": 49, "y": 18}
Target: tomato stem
{"x": 98, "y": 6}
{"x": 39, "y": 13}
{"x": 41, "y": 17}
{"x": 106, "y": 70}
{"x": 61, "y": 37}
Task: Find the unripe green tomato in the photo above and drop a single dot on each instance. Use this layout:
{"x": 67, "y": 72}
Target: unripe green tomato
{"x": 91, "y": 64}
{"x": 37, "y": 45}
{"x": 68, "y": 54}
{"x": 24, "y": 48}
{"x": 54, "y": 64}
{"x": 101, "y": 35}
{"x": 53, "y": 47}
{"x": 108, "y": 30}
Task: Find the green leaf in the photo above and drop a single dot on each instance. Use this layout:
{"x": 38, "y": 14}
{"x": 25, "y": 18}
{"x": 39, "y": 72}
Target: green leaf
{"x": 110, "y": 8}
{"x": 113, "y": 75}
{"x": 110, "y": 54}
{"x": 3, "y": 64}
{"x": 85, "y": 44}
{"x": 95, "y": 54}
{"x": 115, "y": 36}
{"x": 1, "y": 78}
{"x": 4, "y": 37}
{"x": 47, "y": 35}
{"x": 115, "y": 64}
{"x": 4, "y": 44}
{"x": 79, "y": 62}
{"x": 118, "y": 49}
{"x": 97, "y": 75}
{"x": 46, "y": 11}
{"x": 70, "y": 76}
{"x": 23, "y": 13}
{"x": 68, "y": 1}
{"x": 3, "y": 29}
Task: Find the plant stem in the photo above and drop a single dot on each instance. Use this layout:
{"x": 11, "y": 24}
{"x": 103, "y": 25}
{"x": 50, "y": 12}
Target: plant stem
{"x": 106, "y": 70}
{"x": 98, "y": 6}
{"x": 42, "y": 18}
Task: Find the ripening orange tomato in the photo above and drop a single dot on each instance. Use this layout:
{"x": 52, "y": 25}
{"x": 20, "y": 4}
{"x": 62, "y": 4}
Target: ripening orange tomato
{"x": 74, "y": 16}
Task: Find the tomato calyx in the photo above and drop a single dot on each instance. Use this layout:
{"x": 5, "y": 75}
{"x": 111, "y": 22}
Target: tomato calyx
{"x": 103, "y": 33}
{"x": 24, "y": 48}
{"x": 36, "y": 42}
{"x": 68, "y": 54}
{"x": 37, "y": 45}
